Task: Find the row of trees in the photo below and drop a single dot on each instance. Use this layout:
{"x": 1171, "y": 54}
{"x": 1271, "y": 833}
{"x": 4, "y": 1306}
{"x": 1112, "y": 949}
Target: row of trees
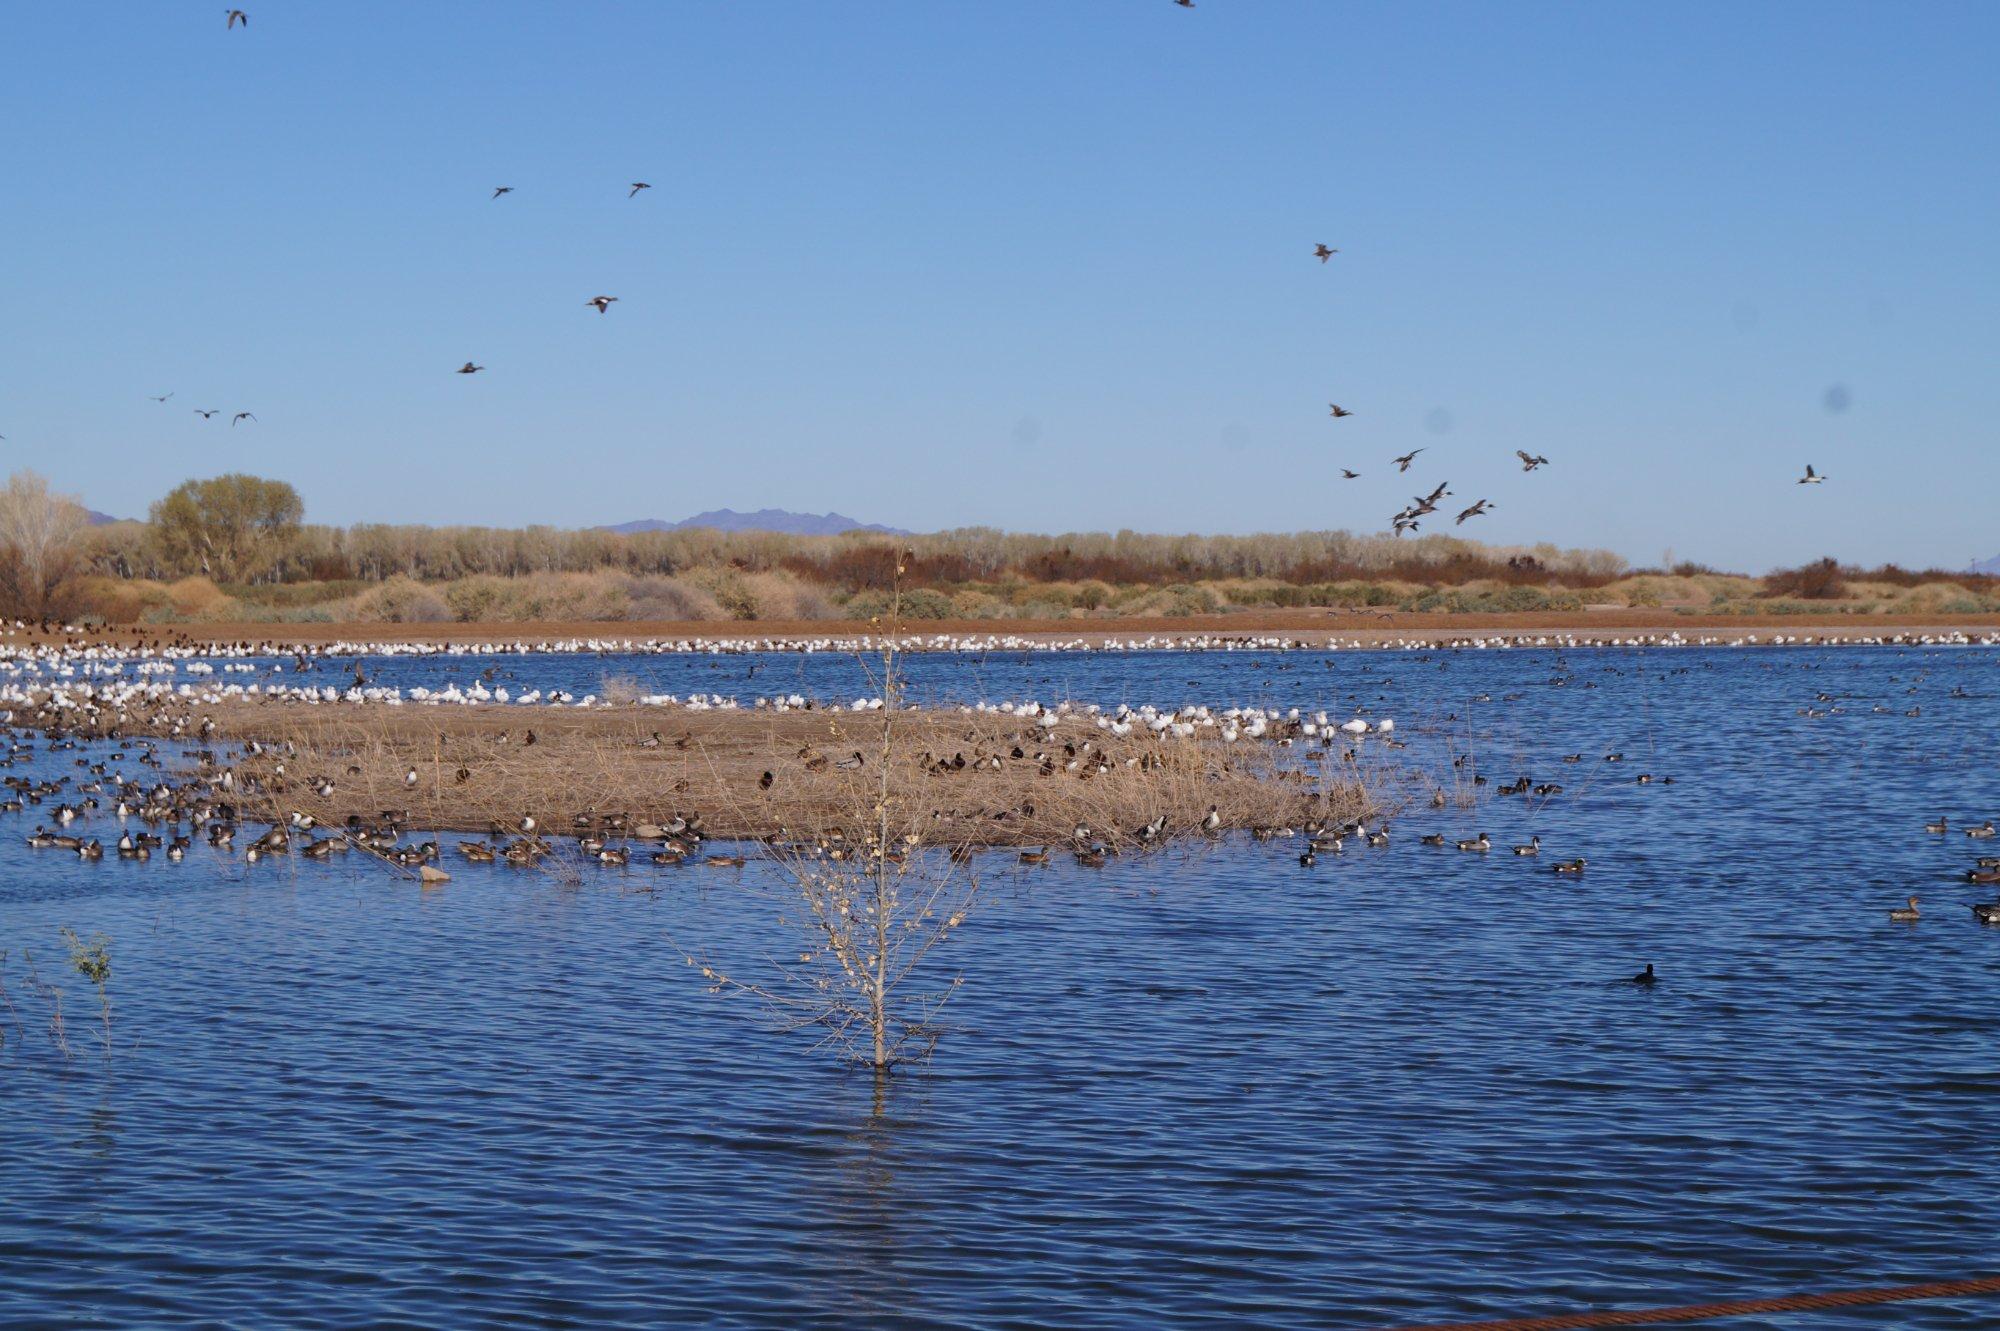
{"x": 239, "y": 529}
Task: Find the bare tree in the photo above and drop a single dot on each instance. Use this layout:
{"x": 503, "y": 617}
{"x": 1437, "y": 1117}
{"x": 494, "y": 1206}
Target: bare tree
{"x": 40, "y": 537}
{"x": 871, "y": 912}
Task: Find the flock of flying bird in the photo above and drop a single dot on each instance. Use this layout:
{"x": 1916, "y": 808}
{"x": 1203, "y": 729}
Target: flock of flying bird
{"x": 1407, "y": 518}
{"x": 235, "y": 18}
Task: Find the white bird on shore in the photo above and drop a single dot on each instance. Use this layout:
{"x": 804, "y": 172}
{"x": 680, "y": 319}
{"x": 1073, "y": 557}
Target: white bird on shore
{"x": 410, "y": 778}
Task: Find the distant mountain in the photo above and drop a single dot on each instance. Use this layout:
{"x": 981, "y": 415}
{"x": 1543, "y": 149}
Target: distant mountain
{"x": 1986, "y": 566}
{"x": 764, "y": 519}
{"x": 100, "y": 519}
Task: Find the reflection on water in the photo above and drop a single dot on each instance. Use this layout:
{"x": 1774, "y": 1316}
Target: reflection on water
{"x": 1210, "y": 1089}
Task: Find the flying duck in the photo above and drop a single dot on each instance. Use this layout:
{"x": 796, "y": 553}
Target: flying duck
{"x": 1320, "y": 252}
{"x": 232, "y": 17}
{"x": 1403, "y": 462}
{"x": 602, "y": 303}
{"x": 1337, "y": 411}
{"x": 1811, "y": 477}
{"x": 1529, "y": 461}
{"x": 469, "y": 368}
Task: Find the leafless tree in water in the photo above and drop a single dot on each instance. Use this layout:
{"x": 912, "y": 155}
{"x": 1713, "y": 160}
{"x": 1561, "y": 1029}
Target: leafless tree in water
{"x": 872, "y": 910}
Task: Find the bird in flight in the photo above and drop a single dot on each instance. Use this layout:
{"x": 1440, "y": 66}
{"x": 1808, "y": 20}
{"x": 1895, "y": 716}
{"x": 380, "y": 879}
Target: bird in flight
{"x": 205, "y": 414}
{"x": 236, "y": 16}
{"x": 1322, "y": 253}
{"x": 1529, "y": 461}
{"x": 498, "y": 190}
{"x": 1185, "y": 4}
{"x": 1347, "y": 475}
{"x": 602, "y": 303}
{"x": 469, "y": 368}
{"x": 637, "y": 185}
{"x": 240, "y": 416}
{"x": 1479, "y": 509}
{"x": 1403, "y": 462}
{"x": 1338, "y": 410}
{"x": 1811, "y": 477}
{"x": 161, "y": 398}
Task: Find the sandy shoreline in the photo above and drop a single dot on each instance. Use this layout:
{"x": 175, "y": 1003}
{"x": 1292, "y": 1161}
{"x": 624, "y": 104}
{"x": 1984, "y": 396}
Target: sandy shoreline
{"x": 1301, "y": 627}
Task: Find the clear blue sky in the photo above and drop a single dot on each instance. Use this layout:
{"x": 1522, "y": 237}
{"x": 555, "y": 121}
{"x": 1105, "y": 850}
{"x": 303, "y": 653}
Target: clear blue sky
{"x": 1039, "y": 264}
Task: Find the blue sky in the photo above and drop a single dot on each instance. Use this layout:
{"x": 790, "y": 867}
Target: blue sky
{"x": 1037, "y": 264}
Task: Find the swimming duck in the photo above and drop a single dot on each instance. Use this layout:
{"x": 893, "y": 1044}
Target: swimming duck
{"x": 1982, "y": 831}
{"x": 1481, "y": 843}
{"x": 1308, "y": 859}
{"x": 1035, "y": 856}
{"x": 1432, "y": 838}
{"x": 1572, "y": 867}
{"x": 1986, "y": 913}
{"x": 1982, "y": 875}
{"x": 1092, "y": 857}
{"x": 1907, "y": 914}
{"x": 1646, "y": 976}
{"x": 479, "y": 852}
{"x": 1939, "y": 828}
{"x": 1534, "y": 847}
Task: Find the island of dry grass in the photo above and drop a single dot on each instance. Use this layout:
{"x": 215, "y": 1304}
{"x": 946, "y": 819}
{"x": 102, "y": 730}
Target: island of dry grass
{"x": 975, "y": 779}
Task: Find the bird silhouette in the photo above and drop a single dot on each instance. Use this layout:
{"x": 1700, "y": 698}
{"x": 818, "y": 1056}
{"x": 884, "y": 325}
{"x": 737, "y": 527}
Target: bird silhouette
{"x": 1811, "y": 477}
{"x": 1323, "y": 253}
{"x": 637, "y": 185}
{"x": 1478, "y": 510}
{"x": 163, "y": 397}
{"x": 234, "y": 17}
{"x": 498, "y": 190}
{"x": 1529, "y": 461}
{"x": 240, "y": 416}
{"x": 1337, "y": 410}
{"x": 1347, "y": 475}
{"x": 1403, "y": 462}
{"x": 469, "y": 368}
{"x": 206, "y": 414}
{"x": 602, "y": 303}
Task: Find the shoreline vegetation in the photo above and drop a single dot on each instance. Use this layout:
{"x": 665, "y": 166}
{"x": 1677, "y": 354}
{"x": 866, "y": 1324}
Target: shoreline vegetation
{"x": 975, "y": 780}
{"x": 236, "y": 550}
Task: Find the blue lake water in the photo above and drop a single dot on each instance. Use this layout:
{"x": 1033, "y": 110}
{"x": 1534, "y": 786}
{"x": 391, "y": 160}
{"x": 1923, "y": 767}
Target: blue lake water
{"x": 1207, "y": 1089}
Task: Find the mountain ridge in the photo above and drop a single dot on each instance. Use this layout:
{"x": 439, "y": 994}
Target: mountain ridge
{"x": 764, "y": 519}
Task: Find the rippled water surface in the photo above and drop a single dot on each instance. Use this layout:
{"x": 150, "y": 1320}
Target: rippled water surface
{"x": 1212, "y": 1089}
